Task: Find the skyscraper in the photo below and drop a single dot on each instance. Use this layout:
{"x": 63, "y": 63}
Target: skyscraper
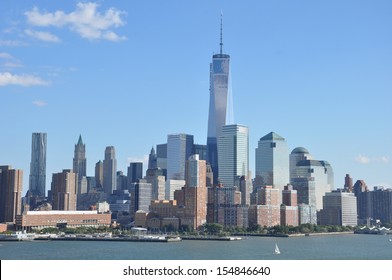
{"x": 272, "y": 161}
{"x": 37, "y": 180}
{"x": 64, "y": 186}
{"x": 135, "y": 172}
{"x": 339, "y": 208}
{"x": 179, "y": 149}
{"x": 79, "y": 161}
{"x": 311, "y": 178}
{"x": 233, "y": 154}
{"x": 219, "y": 89}
{"x": 99, "y": 175}
{"x": 109, "y": 171}
{"x": 10, "y": 193}
{"x": 194, "y": 194}
{"x": 152, "y": 159}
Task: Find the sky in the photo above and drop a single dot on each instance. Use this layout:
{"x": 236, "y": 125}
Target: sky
{"x": 128, "y": 73}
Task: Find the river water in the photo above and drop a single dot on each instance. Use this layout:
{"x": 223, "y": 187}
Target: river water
{"x": 330, "y": 247}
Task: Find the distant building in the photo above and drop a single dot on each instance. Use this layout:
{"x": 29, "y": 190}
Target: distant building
{"x": 272, "y": 161}
{"x": 267, "y": 212}
{"x": 135, "y": 172}
{"x": 193, "y": 197}
{"x": 339, "y": 208}
{"x": 152, "y": 159}
{"x": 109, "y": 170}
{"x": 374, "y": 205}
{"x": 141, "y": 196}
{"x": 64, "y": 187}
{"x": 224, "y": 207}
{"x": 61, "y": 219}
{"x": 348, "y": 183}
{"x": 99, "y": 175}
{"x": 11, "y": 183}
{"x": 122, "y": 181}
{"x": 233, "y": 153}
{"x": 289, "y": 208}
{"x": 179, "y": 149}
{"x": 37, "y": 179}
{"x": 311, "y": 178}
{"x": 157, "y": 180}
{"x": 79, "y": 165}
{"x": 171, "y": 186}
{"x": 162, "y": 158}
{"x": 218, "y": 105}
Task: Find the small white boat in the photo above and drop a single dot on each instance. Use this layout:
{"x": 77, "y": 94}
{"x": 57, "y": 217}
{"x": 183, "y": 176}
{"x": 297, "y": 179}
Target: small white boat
{"x": 276, "y": 251}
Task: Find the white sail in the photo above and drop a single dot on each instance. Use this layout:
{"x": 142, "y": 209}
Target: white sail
{"x": 277, "y": 251}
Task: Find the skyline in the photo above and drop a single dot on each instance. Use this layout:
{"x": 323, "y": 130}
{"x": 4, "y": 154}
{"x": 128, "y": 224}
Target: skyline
{"x": 317, "y": 74}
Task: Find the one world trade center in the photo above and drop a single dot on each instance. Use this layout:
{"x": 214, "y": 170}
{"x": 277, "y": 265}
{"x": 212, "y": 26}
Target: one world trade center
{"x": 219, "y": 89}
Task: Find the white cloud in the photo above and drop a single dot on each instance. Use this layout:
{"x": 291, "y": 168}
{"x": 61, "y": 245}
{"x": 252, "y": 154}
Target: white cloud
{"x": 362, "y": 159}
{"x": 7, "y": 78}
{"x": 365, "y": 160}
{"x": 11, "y": 43}
{"x": 39, "y": 103}
{"x": 43, "y": 36}
{"x": 86, "y": 20}
{"x": 4, "y": 55}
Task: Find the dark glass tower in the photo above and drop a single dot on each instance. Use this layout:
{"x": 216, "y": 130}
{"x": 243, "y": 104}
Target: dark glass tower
{"x": 219, "y": 88}
{"x": 37, "y": 180}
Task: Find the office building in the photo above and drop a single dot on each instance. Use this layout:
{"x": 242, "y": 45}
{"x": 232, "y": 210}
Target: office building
{"x": 267, "y": 211}
{"x": 37, "y": 179}
{"x": 79, "y": 165}
{"x": 233, "y": 154}
{"x": 109, "y": 170}
{"x": 289, "y": 208}
{"x": 152, "y": 159}
{"x": 64, "y": 186}
{"x": 339, "y": 208}
{"x": 171, "y": 186}
{"x": 348, "y": 183}
{"x": 135, "y": 172}
{"x": 272, "y": 161}
{"x": 311, "y": 178}
{"x": 218, "y": 106}
{"x": 99, "y": 175}
{"x": 122, "y": 181}
{"x": 141, "y": 196}
{"x": 11, "y": 182}
{"x": 374, "y": 205}
{"x": 193, "y": 197}
{"x": 162, "y": 158}
{"x": 179, "y": 149}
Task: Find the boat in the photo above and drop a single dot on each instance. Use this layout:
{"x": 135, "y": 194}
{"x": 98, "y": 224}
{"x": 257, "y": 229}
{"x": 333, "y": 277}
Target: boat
{"x": 276, "y": 251}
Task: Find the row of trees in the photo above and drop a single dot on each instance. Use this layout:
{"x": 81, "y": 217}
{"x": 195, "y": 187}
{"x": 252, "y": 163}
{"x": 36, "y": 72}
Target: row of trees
{"x": 211, "y": 229}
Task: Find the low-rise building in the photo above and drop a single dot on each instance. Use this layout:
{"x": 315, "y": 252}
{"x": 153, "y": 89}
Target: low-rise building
{"x": 61, "y": 219}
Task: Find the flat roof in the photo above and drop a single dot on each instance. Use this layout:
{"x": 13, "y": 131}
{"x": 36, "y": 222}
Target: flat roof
{"x": 59, "y": 212}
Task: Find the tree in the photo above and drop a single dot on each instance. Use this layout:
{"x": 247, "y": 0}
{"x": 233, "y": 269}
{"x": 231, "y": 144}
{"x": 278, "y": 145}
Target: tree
{"x": 213, "y": 228}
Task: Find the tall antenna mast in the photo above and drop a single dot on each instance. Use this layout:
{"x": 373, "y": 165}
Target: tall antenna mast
{"x": 221, "y": 34}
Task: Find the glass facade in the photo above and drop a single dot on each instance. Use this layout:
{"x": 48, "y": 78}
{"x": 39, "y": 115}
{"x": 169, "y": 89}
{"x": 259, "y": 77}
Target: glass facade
{"x": 233, "y": 154}
{"x": 219, "y": 87}
{"x": 272, "y": 161}
{"x": 37, "y": 180}
{"x": 179, "y": 149}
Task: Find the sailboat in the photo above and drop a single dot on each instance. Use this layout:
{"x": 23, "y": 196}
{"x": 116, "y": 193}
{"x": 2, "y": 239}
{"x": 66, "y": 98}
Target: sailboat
{"x": 277, "y": 251}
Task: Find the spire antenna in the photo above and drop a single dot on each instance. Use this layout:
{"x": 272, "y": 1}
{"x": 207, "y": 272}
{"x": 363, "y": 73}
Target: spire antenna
{"x": 221, "y": 34}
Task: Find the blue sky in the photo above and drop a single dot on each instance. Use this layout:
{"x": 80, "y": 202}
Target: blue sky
{"x": 127, "y": 73}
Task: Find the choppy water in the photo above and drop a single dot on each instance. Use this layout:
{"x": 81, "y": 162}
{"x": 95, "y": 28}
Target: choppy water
{"x": 331, "y": 247}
